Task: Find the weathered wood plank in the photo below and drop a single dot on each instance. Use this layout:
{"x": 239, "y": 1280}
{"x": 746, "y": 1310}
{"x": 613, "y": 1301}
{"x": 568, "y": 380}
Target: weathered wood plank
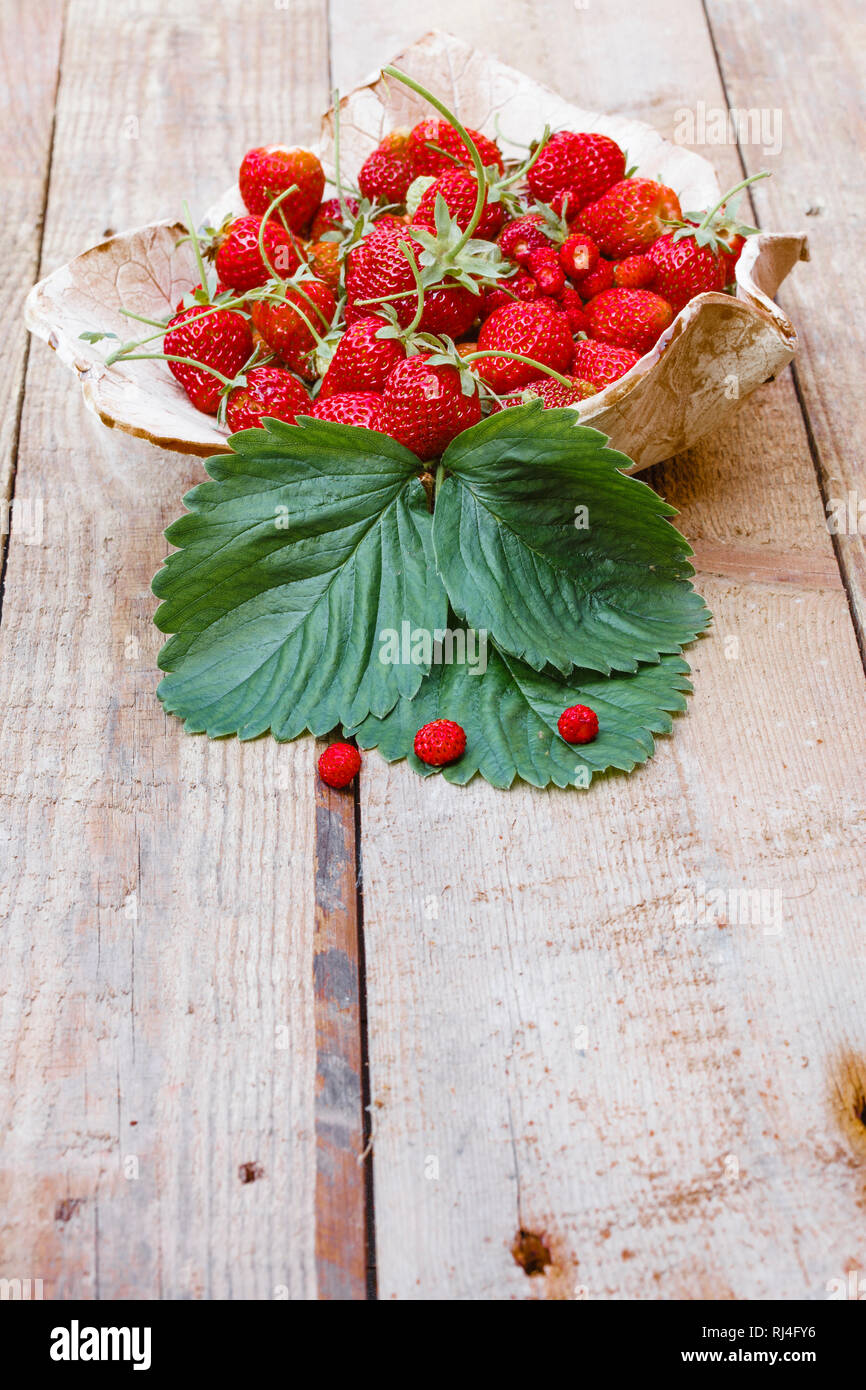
{"x": 158, "y": 1024}
{"x": 587, "y": 1079}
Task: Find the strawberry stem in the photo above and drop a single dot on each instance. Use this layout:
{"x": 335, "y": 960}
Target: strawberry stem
{"x": 172, "y": 357}
{"x": 418, "y": 286}
{"x": 341, "y": 197}
{"x": 193, "y": 236}
{"x": 518, "y": 357}
{"x": 753, "y": 178}
{"x": 275, "y": 203}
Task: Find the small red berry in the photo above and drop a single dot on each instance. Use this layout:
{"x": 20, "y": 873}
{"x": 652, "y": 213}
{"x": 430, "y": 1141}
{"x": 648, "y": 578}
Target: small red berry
{"x": 339, "y": 764}
{"x": 578, "y": 724}
{"x": 439, "y": 743}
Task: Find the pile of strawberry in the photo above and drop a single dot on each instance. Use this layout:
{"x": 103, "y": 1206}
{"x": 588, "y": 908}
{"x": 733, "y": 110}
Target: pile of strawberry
{"x": 449, "y": 284}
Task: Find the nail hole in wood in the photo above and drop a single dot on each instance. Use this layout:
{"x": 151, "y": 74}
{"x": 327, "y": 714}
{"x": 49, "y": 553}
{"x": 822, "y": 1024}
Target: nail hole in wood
{"x": 530, "y": 1252}
{"x": 249, "y": 1172}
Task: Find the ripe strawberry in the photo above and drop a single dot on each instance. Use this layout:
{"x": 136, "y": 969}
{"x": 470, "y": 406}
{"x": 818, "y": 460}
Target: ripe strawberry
{"x": 597, "y": 280}
{"x": 630, "y": 216}
{"x": 553, "y": 394}
{"x": 731, "y": 255}
{"x": 566, "y": 205}
{"x": 361, "y": 408}
{"x": 572, "y": 306}
{"x": 339, "y": 765}
{"x": 218, "y": 338}
{"x": 459, "y": 188}
{"x": 628, "y": 318}
{"x": 684, "y": 269}
{"x": 323, "y": 258}
{"x": 378, "y": 267}
{"x": 329, "y": 217}
{"x": 425, "y": 406}
{"x": 578, "y": 724}
{"x": 387, "y": 172}
{"x": 600, "y": 363}
{"x": 523, "y": 235}
{"x": 584, "y": 164}
{"x": 268, "y": 391}
{"x": 634, "y": 273}
{"x": 362, "y": 361}
{"x": 238, "y": 260}
{"x": 290, "y": 328}
{"x": 543, "y": 265}
{"x": 272, "y": 169}
{"x": 578, "y": 255}
{"x": 439, "y": 743}
{"x": 520, "y": 286}
{"x": 533, "y": 330}
{"x": 425, "y": 160}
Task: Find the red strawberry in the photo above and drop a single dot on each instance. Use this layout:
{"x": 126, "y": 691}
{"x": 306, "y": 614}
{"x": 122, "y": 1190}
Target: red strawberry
{"x": 425, "y": 406}
{"x": 578, "y": 255}
{"x": 578, "y": 724}
{"x": 684, "y": 269}
{"x": 533, "y": 330}
{"x": 553, "y": 394}
{"x": 630, "y": 216}
{"x": 323, "y": 258}
{"x": 363, "y": 408}
{"x": 597, "y": 280}
{"x": 268, "y": 391}
{"x": 329, "y": 217}
{"x": 634, "y": 273}
{"x": 584, "y": 164}
{"x": 362, "y": 360}
{"x": 238, "y": 260}
{"x": 600, "y": 363}
{"x": 217, "y": 338}
{"x": 731, "y": 255}
{"x": 543, "y": 265}
{"x": 272, "y": 169}
{"x": 290, "y": 328}
{"x": 378, "y": 267}
{"x": 439, "y": 743}
{"x": 572, "y": 306}
{"x": 339, "y": 764}
{"x": 387, "y": 172}
{"x": 459, "y": 188}
{"x": 566, "y": 205}
{"x": 629, "y": 318}
{"x": 520, "y": 286}
{"x": 434, "y": 132}
{"x": 523, "y": 235}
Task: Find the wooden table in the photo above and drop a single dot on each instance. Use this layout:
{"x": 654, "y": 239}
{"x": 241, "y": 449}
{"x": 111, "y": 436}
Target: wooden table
{"x": 442, "y": 1043}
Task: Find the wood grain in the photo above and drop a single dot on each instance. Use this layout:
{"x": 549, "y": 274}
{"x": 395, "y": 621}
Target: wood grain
{"x": 157, "y": 891}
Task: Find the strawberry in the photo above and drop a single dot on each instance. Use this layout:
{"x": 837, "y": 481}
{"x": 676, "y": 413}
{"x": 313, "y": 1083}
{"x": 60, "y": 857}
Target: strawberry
{"x": 291, "y": 328}
{"x": 553, "y": 394}
{"x": 584, "y": 164}
{"x": 329, "y": 217}
{"x": 440, "y": 742}
{"x": 217, "y": 338}
{"x": 362, "y": 361}
{"x": 534, "y": 330}
{"x": 270, "y": 170}
{"x": 578, "y": 724}
{"x": 378, "y": 267}
{"x": 238, "y": 260}
{"x": 425, "y": 160}
{"x": 339, "y": 765}
{"x": 571, "y": 305}
{"x": 323, "y": 258}
{"x": 684, "y": 269}
{"x": 600, "y": 363}
{"x": 578, "y": 255}
{"x": 597, "y": 280}
{"x": 361, "y": 408}
{"x": 630, "y": 216}
{"x": 628, "y": 318}
{"x": 425, "y": 406}
{"x": 520, "y": 286}
{"x": 566, "y": 205}
{"x": 387, "y": 172}
{"x": 545, "y": 269}
{"x": 523, "y": 235}
{"x": 268, "y": 391}
{"x": 459, "y": 188}
{"x": 634, "y": 273}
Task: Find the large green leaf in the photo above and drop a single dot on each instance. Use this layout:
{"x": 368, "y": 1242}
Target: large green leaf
{"x": 510, "y": 711}
{"x": 542, "y": 541}
{"x": 312, "y": 540}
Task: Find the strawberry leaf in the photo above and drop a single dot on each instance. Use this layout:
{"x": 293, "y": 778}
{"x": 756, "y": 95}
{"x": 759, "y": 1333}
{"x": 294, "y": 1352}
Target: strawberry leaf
{"x": 543, "y": 542}
{"x": 311, "y": 540}
{"x": 509, "y": 713}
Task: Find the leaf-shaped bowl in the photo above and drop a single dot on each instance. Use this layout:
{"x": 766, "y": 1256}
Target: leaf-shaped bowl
{"x": 717, "y": 350}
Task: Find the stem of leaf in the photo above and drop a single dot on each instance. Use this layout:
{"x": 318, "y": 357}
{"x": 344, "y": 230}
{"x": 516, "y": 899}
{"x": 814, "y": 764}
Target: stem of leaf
{"x": 753, "y": 178}
{"x": 518, "y": 357}
{"x": 275, "y": 203}
{"x": 341, "y": 197}
{"x": 171, "y": 357}
{"x": 416, "y": 275}
{"x": 193, "y": 236}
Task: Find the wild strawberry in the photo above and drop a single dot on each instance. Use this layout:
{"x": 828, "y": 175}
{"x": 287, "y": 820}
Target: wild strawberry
{"x": 361, "y": 408}
{"x": 520, "y": 286}
{"x": 571, "y": 305}
{"x": 634, "y": 273}
{"x": 578, "y": 724}
{"x": 339, "y": 765}
{"x": 272, "y": 169}
{"x": 630, "y": 216}
{"x": 600, "y": 363}
{"x": 532, "y": 330}
{"x": 439, "y": 743}
{"x": 238, "y": 260}
{"x": 323, "y": 258}
{"x": 597, "y": 280}
{"x": 628, "y": 318}
{"x": 329, "y": 217}
{"x": 566, "y": 205}
{"x": 387, "y": 172}
{"x": 543, "y": 265}
{"x": 291, "y": 328}
{"x": 731, "y": 255}
{"x": 684, "y": 269}
{"x": 553, "y": 394}
{"x": 523, "y": 235}
{"x": 362, "y": 361}
{"x": 425, "y": 406}
{"x": 268, "y": 391}
{"x": 217, "y": 338}
{"x": 378, "y": 267}
{"x": 584, "y": 164}
{"x": 426, "y": 160}
{"x": 459, "y": 188}
{"x": 578, "y": 255}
